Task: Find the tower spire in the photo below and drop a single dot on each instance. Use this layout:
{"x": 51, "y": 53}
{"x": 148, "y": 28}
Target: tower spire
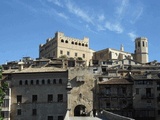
{"x": 122, "y": 48}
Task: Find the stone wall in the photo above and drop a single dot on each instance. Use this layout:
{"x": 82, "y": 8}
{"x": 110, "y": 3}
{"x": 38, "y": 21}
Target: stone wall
{"x": 112, "y": 116}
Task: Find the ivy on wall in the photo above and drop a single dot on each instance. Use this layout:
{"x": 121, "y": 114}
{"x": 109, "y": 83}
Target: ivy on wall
{"x": 3, "y": 87}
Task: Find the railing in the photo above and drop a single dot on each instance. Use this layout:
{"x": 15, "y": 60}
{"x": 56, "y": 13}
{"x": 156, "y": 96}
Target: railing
{"x": 113, "y": 95}
{"x": 147, "y": 96}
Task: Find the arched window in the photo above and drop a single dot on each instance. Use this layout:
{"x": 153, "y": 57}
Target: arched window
{"x": 139, "y": 44}
{"x": 48, "y": 81}
{"x": 79, "y": 44}
{"x": 60, "y": 81}
{"x": 37, "y": 82}
{"x": 43, "y": 82}
{"x": 62, "y": 40}
{"x": 31, "y": 82}
{"x": 72, "y": 42}
{"x": 20, "y": 82}
{"x": 54, "y": 81}
{"x": 82, "y": 44}
{"x": 86, "y": 45}
{"x": 26, "y": 82}
{"x": 66, "y": 41}
{"x": 75, "y": 43}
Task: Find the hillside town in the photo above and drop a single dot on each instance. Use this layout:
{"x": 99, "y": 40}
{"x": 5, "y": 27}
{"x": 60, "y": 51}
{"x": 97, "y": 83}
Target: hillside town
{"x": 70, "y": 81}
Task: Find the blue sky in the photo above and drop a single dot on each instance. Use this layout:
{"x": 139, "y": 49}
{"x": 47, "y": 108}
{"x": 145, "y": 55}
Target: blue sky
{"x": 24, "y": 24}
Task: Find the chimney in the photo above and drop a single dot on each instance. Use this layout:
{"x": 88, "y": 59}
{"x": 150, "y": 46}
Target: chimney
{"x": 20, "y": 66}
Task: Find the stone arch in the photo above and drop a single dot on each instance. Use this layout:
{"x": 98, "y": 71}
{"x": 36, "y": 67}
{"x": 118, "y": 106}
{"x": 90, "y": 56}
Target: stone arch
{"x": 80, "y": 110}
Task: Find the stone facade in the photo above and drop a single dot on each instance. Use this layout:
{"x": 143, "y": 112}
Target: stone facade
{"x": 141, "y": 50}
{"x": 81, "y": 96}
{"x": 140, "y": 55}
{"x": 62, "y": 45}
{"x": 111, "y": 54}
{"x": 38, "y": 93}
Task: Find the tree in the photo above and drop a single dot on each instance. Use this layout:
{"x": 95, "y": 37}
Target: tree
{"x": 3, "y": 87}
{"x": 79, "y": 58}
{"x": 63, "y": 57}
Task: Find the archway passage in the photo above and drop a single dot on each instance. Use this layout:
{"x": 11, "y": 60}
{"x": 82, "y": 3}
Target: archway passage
{"x": 80, "y": 110}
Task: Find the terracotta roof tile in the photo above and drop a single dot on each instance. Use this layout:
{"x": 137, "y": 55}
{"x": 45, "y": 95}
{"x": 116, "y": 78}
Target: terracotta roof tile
{"x": 116, "y": 81}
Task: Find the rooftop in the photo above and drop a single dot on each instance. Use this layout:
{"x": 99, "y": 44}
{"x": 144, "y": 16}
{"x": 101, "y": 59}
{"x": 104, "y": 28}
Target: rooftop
{"x": 34, "y": 70}
{"x": 115, "y": 81}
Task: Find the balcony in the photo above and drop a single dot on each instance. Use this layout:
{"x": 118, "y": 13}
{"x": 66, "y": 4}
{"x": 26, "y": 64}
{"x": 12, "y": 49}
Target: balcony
{"x": 147, "y": 96}
{"x": 104, "y": 95}
{"x": 119, "y": 95}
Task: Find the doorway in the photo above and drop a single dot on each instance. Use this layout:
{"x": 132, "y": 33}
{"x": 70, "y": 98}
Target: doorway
{"x": 80, "y": 110}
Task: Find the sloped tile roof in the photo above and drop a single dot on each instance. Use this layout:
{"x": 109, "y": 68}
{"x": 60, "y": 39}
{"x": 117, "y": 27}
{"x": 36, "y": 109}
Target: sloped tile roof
{"x": 116, "y": 81}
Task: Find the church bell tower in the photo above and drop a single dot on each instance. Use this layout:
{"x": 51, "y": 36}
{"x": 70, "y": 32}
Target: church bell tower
{"x": 141, "y": 49}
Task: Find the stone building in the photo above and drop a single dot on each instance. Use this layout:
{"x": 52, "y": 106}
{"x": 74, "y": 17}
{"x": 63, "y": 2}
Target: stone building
{"x": 61, "y": 46}
{"x": 38, "y": 93}
{"x": 140, "y": 55}
{"x": 81, "y": 96}
{"x": 115, "y": 95}
{"x": 59, "y": 82}
{"x": 144, "y": 92}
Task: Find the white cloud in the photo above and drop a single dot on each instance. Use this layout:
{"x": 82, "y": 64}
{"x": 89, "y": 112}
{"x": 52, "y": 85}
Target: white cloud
{"x": 56, "y": 2}
{"x": 79, "y": 12}
{"x": 100, "y": 28}
{"x": 62, "y": 15}
{"x": 121, "y": 10}
{"x": 132, "y": 35}
{"x": 137, "y": 14}
{"x": 101, "y": 18}
{"x": 89, "y": 29}
{"x": 114, "y": 27}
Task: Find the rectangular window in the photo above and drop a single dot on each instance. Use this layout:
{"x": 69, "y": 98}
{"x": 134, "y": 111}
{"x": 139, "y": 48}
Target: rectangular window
{"x": 60, "y": 117}
{"x": 83, "y": 55}
{"x": 5, "y": 114}
{"x": 107, "y": 105}
{"x": 18, "y": 111}
{"x": 68, "y": 53}
{"x": 19, "y": 98}
{"x": 60, "y": 98}
{"x": 76, "y": 54}
{"x": 137, "y": 91}
{"x": 5, "y": 103}
{"x": 34, "y": 98}
{"x": 50, "y": 98}
{"x": 124, "y": 90}
{"x": 60, "y": 81}
{"x": 107, "y": 90}
{"x": 54, "y": 53}
{"x": 34, "y": 111}
{"x": 61, "y": 52}
{"x": 50, "y": 117}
